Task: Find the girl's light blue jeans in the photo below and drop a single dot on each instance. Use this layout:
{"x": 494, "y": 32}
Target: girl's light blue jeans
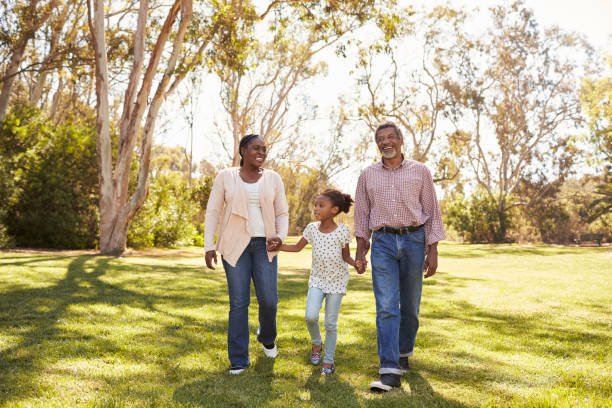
{"x": 314, "y": 301}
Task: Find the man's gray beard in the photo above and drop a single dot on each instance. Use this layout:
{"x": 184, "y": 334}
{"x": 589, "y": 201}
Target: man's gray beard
{"x": 389, "y": 155}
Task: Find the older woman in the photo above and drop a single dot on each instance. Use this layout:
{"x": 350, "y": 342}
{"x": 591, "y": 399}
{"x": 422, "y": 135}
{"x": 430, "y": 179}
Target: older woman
{"x": 249, "y": 206}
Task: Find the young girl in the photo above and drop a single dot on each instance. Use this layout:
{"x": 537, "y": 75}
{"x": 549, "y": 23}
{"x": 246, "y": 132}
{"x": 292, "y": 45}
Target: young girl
{"x": 329, "y": 274}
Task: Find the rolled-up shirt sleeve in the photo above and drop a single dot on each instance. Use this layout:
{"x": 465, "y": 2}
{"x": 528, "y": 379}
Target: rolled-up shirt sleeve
{"x": 362, "y": 209}
{"x": 214, "y": 208}
{"x": 434, "y": 228}
{"x": 281, "y": 210}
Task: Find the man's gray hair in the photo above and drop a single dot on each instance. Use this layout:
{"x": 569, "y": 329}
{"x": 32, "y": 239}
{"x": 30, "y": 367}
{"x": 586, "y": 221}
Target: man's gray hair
{"x": 389, "y": 124}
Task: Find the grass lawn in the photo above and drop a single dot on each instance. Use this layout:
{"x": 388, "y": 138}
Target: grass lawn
{"x": 511, "y": 325}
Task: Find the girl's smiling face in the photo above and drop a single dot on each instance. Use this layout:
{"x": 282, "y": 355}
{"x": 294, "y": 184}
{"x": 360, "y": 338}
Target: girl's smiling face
{"x": 324, "y": 208}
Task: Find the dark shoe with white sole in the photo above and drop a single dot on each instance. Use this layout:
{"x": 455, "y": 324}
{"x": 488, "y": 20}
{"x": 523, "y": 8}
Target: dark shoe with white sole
{"x": 236, "y": 370}
{"x": 386, "y": 383}
{"x": 404, "y": 365}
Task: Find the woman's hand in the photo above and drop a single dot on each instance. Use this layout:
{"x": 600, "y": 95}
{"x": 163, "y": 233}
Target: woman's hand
{"x": 273, "y": 244}
{"x": 210, "y": 256}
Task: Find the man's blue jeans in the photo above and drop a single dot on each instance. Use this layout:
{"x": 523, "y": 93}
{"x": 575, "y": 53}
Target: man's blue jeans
{"x": 397, "y": 275}
{"x": 252, "y": 264}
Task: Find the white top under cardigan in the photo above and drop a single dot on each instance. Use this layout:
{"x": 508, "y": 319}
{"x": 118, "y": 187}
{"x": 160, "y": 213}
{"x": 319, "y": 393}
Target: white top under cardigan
{"x": 256, "y": 223}
{"x": 228, "y": 212}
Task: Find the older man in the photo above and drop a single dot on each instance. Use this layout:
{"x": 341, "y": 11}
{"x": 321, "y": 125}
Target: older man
{"x": 396, "y": 203}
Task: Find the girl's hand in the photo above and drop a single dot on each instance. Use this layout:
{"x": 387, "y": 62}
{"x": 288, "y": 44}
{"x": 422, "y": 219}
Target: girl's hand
{"x": 360, "y": 266}
{"x": 273, "y": 244}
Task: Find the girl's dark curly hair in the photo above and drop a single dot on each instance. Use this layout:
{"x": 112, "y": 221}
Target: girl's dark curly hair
{"x": 339, "y": 199}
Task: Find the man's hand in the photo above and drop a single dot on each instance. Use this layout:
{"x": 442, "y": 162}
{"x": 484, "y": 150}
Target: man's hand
{"x": 210, "y": 256}
{"x": 361, "y": 265}
{"x": 431, "y": 260}
{"x": 273, "y": 244}
{"x": 363, "y": 245}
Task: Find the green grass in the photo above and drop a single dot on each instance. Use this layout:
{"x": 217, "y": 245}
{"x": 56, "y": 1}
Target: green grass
{"x": 508, "y": 325}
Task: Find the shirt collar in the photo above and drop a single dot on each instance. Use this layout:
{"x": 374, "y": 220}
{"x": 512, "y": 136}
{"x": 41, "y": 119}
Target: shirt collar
{"x": 381, "y": 164}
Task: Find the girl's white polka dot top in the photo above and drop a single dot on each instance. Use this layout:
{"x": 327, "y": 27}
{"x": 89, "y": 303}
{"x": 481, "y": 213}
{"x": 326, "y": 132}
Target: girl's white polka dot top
{"x": 329, "y": 272}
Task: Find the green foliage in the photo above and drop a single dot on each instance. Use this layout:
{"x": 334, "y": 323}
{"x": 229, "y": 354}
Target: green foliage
{"x": 596, "y": 98}
{"x": 200, "y": 191}
{"x": 49, "y": 188}
{"x": 302, "y": 185}
{"x": 475, "y": 218}
{"x": 166, "y": 217}
{"x": 561, "y": 213}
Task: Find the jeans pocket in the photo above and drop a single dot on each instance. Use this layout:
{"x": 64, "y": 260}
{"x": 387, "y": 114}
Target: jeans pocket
{"x": 376, "y": 236}
{"x": 418, "y": 236}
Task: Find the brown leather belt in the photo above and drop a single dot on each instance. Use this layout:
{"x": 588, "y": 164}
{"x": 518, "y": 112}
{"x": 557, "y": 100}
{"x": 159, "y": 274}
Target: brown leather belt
{"x": 401, "y": 230}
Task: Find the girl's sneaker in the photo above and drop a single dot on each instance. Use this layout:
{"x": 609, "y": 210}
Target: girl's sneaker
{"x": 315, "y": 356}
{"x": 328, "y": 369}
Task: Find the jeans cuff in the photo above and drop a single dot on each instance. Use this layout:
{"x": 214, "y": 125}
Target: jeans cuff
{"x": 389, "y": 370}
{"x": 409, "y": 354}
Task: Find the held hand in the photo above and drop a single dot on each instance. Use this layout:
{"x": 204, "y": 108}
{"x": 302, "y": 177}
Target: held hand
{"x": 431, "y": 261}
{"x": 363, "y": 245}
{"x": 273, "y": 244}
{"x": 361, "y": 265}
{"x": 210, "y": 257}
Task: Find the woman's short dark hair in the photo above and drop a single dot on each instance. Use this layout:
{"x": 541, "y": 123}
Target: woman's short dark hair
{"x": 389, "y": 124}
{"x": 338, "y": 199}
{"x": 244, "y": 142}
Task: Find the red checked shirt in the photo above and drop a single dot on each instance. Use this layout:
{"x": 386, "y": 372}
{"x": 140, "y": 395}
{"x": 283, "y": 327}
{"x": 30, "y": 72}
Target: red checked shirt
{"x": 399, "y": 197}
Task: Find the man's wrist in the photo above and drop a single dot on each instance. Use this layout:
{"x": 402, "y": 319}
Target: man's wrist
{"x": 432, "y": 248}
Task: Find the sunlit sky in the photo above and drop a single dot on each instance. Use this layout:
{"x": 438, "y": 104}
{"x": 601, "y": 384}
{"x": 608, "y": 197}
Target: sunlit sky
{"x": 593, "y": 18}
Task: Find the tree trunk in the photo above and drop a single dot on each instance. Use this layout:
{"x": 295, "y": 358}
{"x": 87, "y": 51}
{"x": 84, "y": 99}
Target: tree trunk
{"x": 115, "y": 242}
{"x": 12, "y": 68}
{"x": 41, "y": 81}
{"x": 9, "y": 76}
{"x": 500, "y": 235}
{"x": 116, "y": 208}
{"x": 108, "y": 245}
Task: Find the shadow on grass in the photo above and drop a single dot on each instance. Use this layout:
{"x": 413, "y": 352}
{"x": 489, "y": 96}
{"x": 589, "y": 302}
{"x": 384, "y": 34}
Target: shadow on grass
{"x": 251, "y": 388}
{"x": 536, "y": 333}
{"x": 36, "y": 317}
{"x": 329, "y": 390}
{"x": 30, "y": 260}
{"x": 44, "y": 344}
{"x": 480, "y": 250}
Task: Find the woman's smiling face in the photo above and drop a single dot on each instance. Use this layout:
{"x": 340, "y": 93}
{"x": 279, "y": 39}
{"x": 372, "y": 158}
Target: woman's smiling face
{"x": 255, "y": 152}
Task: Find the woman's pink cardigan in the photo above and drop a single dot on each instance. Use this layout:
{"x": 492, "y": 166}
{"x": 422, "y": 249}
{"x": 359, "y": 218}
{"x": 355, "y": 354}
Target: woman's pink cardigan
{"x": 228, "y": 209}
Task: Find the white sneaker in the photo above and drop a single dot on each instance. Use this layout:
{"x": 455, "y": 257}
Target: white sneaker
{"x": 271, "y": 353}
{"x": 236, "y": 371}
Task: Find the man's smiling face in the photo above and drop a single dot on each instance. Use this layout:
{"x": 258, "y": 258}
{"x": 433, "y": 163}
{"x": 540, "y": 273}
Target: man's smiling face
{"x": 389, "y": 143}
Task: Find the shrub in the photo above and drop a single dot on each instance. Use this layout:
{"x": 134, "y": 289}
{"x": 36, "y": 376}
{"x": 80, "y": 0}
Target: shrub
{"x": 51, "y": 199}
{"x": 166, "y": 217}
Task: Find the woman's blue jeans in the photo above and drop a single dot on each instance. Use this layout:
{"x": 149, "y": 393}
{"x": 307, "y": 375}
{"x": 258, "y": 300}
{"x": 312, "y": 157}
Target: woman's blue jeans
{"x": 314, "y": 301}
{"x": 252, "y": 264}
{"x": 397, "y": 276}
